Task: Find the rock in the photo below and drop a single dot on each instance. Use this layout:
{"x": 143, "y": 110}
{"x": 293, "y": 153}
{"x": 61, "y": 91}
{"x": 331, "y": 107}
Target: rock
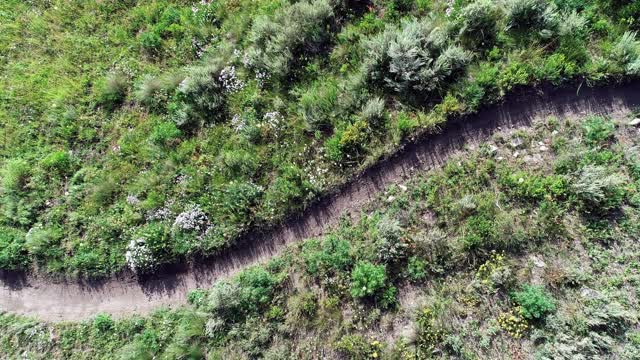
{"x": 538, "y": 262}
{"x": 391, "y": 198}
{"x": 515, "y": 154}
{"x": 634, "y": 122}
{"x": 402, "y": 187}
{"x": 516, "y": 143}
{"x": 493, "y": 149}
{"x": 543, "y": 148}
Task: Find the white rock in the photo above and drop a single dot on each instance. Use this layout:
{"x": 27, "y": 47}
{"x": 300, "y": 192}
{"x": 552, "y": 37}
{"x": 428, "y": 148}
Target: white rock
{"x": 634, "y": 122}
{"x": 391, "y": 198}
{"x": 543, "y": 148}
{"x": 515, "y": 154}
{"x": 402, "y": 187}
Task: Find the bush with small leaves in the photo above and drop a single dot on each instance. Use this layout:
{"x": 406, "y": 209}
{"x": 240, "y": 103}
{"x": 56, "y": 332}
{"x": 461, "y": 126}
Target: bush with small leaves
{"x": 164, "y": 133}
{"x": 627, "y": 53}
{"x": 367, "y": 279}
{"x": 598, "y": 189}
{"x": 478, "y": 22}
{"x": 535, "y": 303}
{"x": 373, "y": 113}
{"x": 318, "y": 105}
{"x": 389, "y": 243}
{"x": 417, "y": 57}
{"x": 527, "y": 15}
{"x": 200, "y": 98}
{"x": 277, "y": 41}
{"x": 15, "y": 175}
{"x": 13, "y": 254}
{"x": 113, "y": 91}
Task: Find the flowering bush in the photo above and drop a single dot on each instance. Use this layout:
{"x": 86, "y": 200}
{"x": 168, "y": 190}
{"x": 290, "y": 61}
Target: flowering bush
{"x": 192, "y": 219}
{"x": 139, "y": 256}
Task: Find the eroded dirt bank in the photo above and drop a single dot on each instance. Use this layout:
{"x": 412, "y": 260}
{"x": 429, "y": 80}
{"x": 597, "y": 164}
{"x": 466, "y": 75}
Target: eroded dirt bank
{"x": 119, "y": 296}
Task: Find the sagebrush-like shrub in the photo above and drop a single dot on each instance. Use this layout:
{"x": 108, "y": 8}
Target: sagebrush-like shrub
{"x": 113, "y": 91}
{"x": 389, "y": 243}
{"x": 416, "y": 57}
{"x": 478, "y": 22}
{"x": 598, "y": 189}
{"x": 15, "y": 174}
{"x": 277, "y": 41}
{"x": 318, "y": 105}
{"x": 373, "y": 112}
{"x": 524, "y": 15}
{"x": 627, "y": 53}
{"x": 200, "y": 98}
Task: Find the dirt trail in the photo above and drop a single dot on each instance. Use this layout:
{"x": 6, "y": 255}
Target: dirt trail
{"x": 56, "y": 301}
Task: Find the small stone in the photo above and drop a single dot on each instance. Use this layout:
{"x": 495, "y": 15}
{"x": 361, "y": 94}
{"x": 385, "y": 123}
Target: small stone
{"x": 538, "y": 262}
{"x": 493, "y": 149}
{"x": 391, "y": 198}
{"x": 500, "y": 158}
{"x": 516, "y": 143}
{"x": 402, "y": 187}
{"x": 543, "y": 148}
{"x": 634, "y": 122}
{"x": 554, "y": 132}
{"x": 515, "y": 154}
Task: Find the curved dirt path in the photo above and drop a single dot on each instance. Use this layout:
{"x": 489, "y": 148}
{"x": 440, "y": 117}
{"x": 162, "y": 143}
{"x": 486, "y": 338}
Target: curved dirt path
{"x": 56, "y": 301}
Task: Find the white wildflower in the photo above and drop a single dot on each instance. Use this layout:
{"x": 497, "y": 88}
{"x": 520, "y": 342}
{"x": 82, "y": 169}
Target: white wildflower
{"x": 139, "y": 256}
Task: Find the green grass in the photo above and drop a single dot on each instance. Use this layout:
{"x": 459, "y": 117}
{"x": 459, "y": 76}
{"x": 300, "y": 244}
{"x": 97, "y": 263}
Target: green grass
{"x": 118, "y": 117}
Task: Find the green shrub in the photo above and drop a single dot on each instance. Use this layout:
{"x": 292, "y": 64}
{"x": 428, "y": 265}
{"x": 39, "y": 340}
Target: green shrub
{"x": 389, "y": 243}
{"x": 13, "y": 254}
{"x": 15, "y": 174}
{"x": 414, "y": 58}
{"x": 257, "y": 287}
{"x": 164, "y": 133}
{"x": 598, "y": 130}
{"x": 535, "y": 187}
{"x": 373, "y": 113}
{"x": 112, "y": 92}
{"x": 526, "y": 15}
{"x": 598, "y": 189}
{"x": 200, "y": 97}
{"x": 367, "y": 279}
{"x": 42, "y": 241}
{"x": 478, "y": 22}
{"x": 535, "y": 303}
{"x": 416, "y": 269}
{"x": 60, "y": 162}
{"x": 318, "y": 105}
{"x": 102, "y": 323}
{"x": 150, "y": 41}
{"x": 330, "y": 257}
{"x": 405, "y": 124}
{"x": 276, "y": 42}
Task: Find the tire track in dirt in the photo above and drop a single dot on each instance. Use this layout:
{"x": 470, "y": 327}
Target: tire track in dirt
{"x": 124, "y": 294}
